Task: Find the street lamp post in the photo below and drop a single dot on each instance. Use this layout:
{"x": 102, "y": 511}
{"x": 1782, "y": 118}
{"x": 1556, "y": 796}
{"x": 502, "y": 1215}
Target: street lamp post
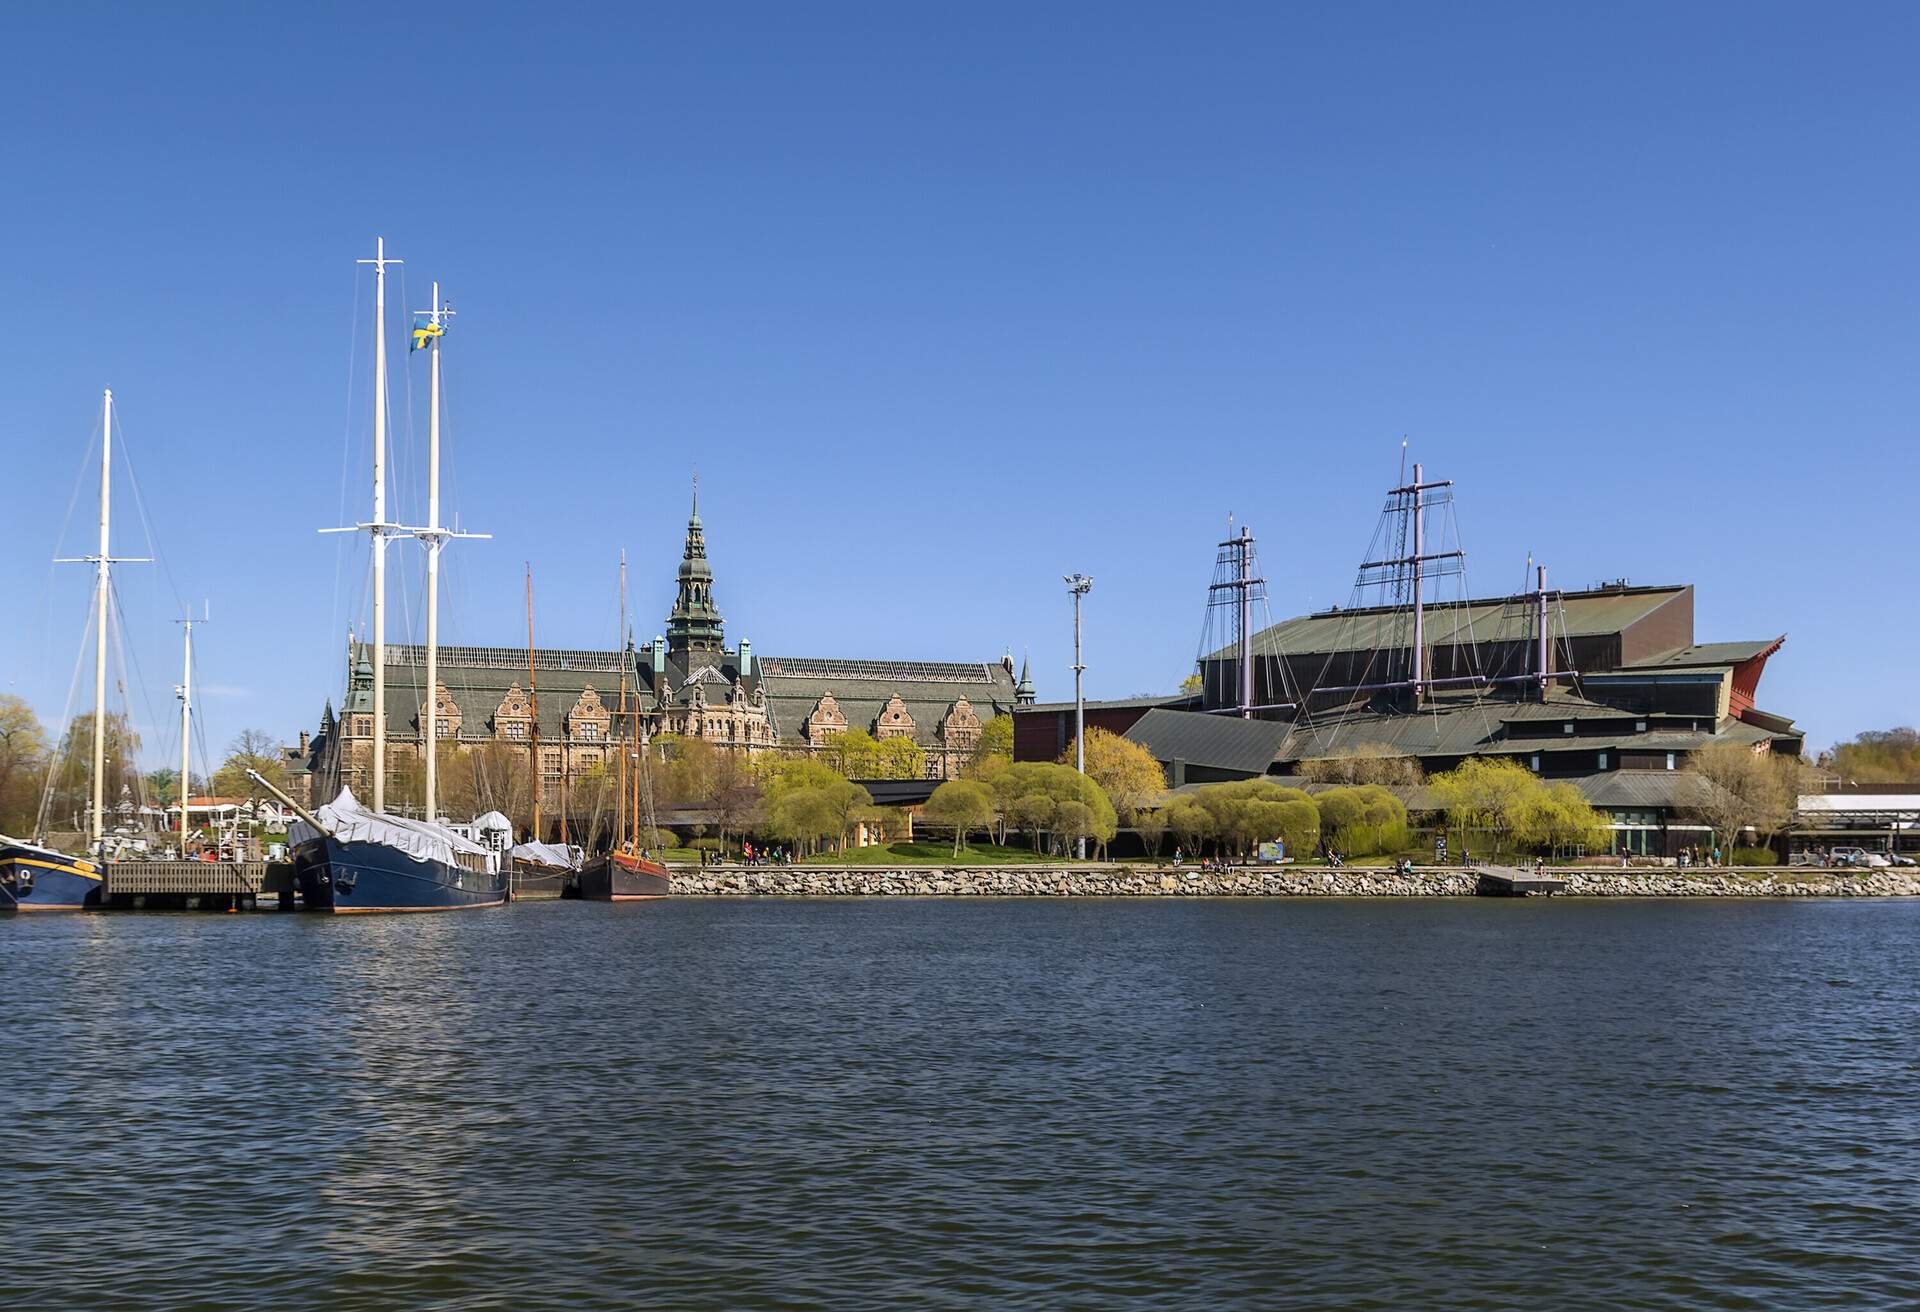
{"x": 1079, "y": 585}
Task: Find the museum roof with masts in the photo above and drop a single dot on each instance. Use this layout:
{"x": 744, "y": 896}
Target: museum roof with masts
{"x": 1605, "y": 686}
{"x": 685, "y": 681}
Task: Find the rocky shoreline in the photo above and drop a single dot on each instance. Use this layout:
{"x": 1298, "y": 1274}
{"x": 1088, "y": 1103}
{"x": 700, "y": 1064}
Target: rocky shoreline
{"x": 1167, "y": 881}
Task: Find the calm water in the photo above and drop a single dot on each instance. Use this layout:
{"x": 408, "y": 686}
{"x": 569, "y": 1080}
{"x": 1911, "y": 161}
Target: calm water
{"x": 1102, "y": 1104}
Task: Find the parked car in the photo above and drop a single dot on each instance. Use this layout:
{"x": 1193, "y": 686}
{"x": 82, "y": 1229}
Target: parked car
{"x": 1845, "y": 856}
{"x": 1894, "y": 858}
{"x": 1871, "y": 861}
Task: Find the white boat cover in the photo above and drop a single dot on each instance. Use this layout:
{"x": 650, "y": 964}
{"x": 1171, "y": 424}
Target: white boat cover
{"x": 354, "y": 823}
{"x": 546, "y": 854}
{"x": 492, "y": 820}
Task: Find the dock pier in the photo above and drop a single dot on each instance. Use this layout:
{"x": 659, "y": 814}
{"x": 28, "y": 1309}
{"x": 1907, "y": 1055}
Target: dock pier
{"x": 193, "y": 885}
{"x": 1513, "y": 881}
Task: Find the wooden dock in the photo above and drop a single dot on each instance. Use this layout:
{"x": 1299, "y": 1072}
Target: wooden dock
{"x": 191, "y": 885}
{"x": 1512, "y": 881}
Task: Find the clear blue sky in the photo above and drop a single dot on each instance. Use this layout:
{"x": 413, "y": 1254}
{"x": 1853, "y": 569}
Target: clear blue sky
{"x": 946, "y": 302}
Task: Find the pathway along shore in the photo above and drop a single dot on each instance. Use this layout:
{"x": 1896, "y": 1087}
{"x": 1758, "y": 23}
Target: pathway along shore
{"x": 1166, "y": 881}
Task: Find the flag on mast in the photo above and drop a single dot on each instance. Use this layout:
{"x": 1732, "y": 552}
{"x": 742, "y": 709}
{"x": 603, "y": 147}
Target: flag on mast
{"x": 424, "y": 331}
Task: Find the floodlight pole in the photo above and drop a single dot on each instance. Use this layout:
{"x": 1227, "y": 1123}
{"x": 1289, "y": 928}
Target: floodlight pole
{"x": 1079, "y": 585}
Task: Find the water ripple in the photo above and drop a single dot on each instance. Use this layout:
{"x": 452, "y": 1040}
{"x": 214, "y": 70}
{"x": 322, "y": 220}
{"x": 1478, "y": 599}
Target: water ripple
{"x": 964, "y": 1104}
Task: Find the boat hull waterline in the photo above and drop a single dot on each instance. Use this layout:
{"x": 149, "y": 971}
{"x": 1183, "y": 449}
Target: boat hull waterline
{"x": 354, "y": 876}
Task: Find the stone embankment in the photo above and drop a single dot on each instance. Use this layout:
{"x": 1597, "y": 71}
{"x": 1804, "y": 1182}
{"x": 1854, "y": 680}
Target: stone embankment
{"x": 1166, "y": 881}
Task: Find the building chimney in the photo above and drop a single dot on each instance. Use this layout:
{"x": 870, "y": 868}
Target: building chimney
{"x": 746, "y": 658}
{"x": 659, "y": 655}
{"x": 303, "y": 742}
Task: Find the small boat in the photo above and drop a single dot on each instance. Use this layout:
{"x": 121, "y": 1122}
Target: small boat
{"x": 351, "y": 859}
{"x": 625, "y": 873}
{"x": 623, "y": 877}
{"x": 34, "y": 878}
{"x": 537, "y": 870}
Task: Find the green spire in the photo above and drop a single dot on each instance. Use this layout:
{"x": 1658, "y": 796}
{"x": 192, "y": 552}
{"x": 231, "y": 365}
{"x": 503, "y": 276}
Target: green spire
{"x": 695, "y": 624}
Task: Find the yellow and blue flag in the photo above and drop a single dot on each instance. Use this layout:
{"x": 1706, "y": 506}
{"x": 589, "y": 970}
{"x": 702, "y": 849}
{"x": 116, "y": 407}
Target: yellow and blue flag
{"x": 424, "y": 331}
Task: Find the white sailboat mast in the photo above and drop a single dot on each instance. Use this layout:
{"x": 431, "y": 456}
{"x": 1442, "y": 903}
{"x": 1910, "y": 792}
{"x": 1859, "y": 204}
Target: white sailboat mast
{"x": 104, "y": 568}
{"x": 435, "y": 536}
{"x": 380, "y": 524}
{"x": 186, "y": 725}
{"x": 433, "y": 569}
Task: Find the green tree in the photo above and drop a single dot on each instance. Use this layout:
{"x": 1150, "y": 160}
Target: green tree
{"x": 23, "y": 765}
{"x": 961, "y": 804}
{"x": 1558, "y": 818}
{"x": 1877, "y": 756}
{"x": 1363, "y": 820}
{"x": 1488, "y": 793}
{"x": 1151, "y": 825}
{"x": 1192, "y": 824}
{"x": 72, "y": 789}
{"x": 1126, "y": 772}
{"x": 996, "y": 743}
{"x": 1193, "y": 683}
{"x": 857, "y": 754}
{"x": 1236, "y": 817}
{"x": 256, "y": 749}
{"x": 808, "y": 802}
{"x": 1029, "y": 795}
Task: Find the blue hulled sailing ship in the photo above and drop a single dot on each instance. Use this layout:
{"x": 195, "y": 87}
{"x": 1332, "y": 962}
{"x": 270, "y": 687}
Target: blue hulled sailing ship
{"x": 350, "y": 857}
{"x": 34, "y": 878}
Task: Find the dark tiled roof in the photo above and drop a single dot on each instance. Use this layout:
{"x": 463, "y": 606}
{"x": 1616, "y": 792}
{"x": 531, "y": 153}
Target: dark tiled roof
{"x": 1221, "y": 742}
{"x": 795, "y": 685}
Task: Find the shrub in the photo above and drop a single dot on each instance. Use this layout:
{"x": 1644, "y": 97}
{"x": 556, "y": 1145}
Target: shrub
{"x": 1754, "y": 856}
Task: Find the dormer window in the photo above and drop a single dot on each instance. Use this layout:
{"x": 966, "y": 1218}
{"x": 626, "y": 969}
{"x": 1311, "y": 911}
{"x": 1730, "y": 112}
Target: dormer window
{"x": 588, "y": 732}
{"x": 1639, "y": 726}
{"x": 514, "y": 729}
{"x": 1567, "y": 727}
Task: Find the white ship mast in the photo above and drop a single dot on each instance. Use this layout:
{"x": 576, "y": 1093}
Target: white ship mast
{"x": 186, "y": 723}
{"x": 378, "y": 528}
{"x": 103, "y": 564}
{"x": 435, "y": 537}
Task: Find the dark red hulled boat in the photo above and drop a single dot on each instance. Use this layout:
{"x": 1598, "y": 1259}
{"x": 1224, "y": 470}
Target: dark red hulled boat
{"x": 623, "y": 877}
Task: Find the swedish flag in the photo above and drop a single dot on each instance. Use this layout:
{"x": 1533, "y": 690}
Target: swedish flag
{"x": 424, "y": 331}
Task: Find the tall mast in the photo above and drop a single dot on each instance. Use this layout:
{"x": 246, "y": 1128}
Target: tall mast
{"x": 379, "y": 526}
{"x": 432, "y": 797}
{"x": 435, "y": 537}
{"x": 618, "y": 737}
{"x": 1245, "y": 580}
{"x": 533, "y": 694}
{"x": 186, "y": 725}
{"x": 103, "y": 563}
{"x": 104, "y": 570}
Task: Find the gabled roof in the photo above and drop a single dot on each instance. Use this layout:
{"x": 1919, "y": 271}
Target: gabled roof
{"x": 1221, "y": 742}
